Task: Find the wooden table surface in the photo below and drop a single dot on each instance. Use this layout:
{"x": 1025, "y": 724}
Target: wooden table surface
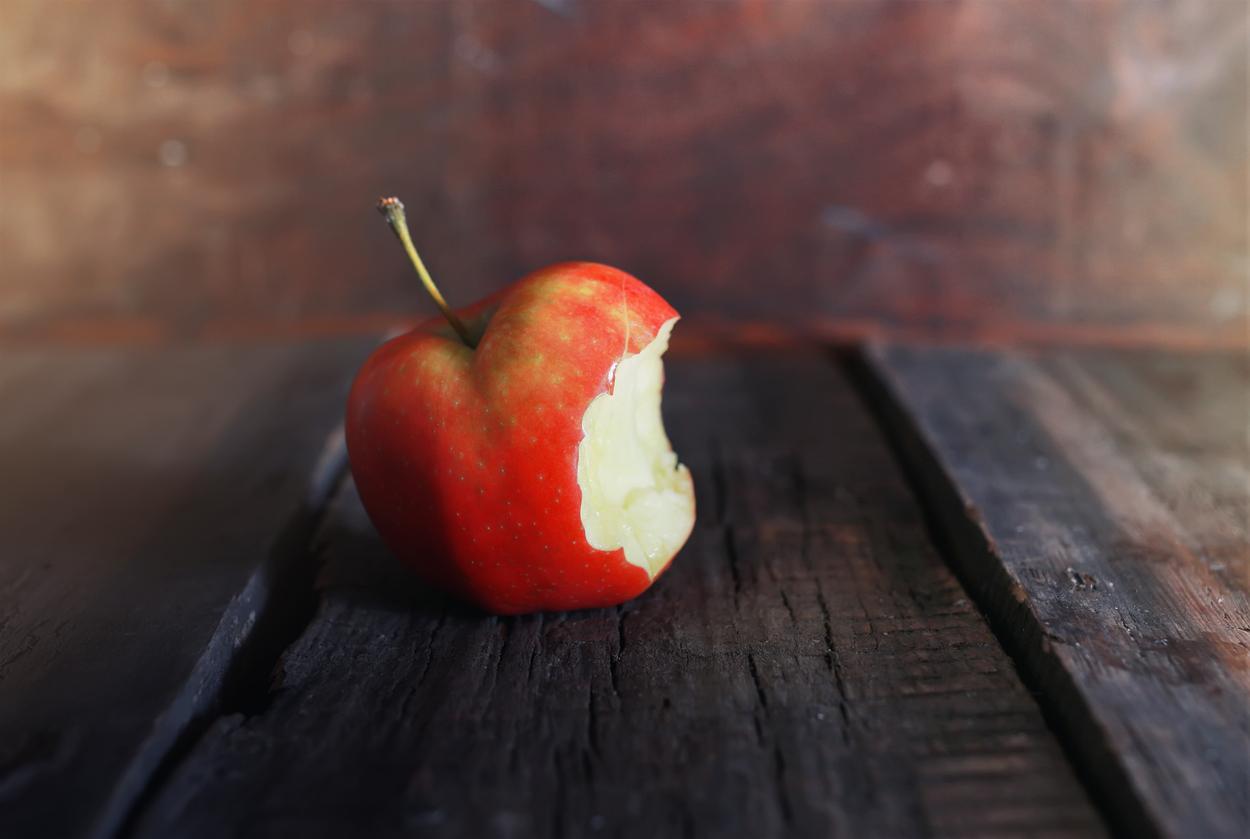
{"x": 931, "y": 592}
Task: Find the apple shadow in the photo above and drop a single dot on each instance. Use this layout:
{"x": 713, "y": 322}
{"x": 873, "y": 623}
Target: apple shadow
{"x": 357, "y": 568}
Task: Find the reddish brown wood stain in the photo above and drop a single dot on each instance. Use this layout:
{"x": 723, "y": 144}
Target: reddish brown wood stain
{"x": 944, "y": 167}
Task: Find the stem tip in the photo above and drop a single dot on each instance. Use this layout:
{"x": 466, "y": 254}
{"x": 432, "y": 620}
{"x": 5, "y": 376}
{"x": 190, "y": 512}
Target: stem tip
{"x": 393, "y": 209}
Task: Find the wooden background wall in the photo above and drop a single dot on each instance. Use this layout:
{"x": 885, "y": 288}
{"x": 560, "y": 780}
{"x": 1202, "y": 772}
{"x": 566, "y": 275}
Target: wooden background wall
{"x": 984, "y": 167}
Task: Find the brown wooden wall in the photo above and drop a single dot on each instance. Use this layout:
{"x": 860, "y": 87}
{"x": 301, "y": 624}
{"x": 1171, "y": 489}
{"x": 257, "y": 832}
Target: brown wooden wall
{"x": 990, "y": 164}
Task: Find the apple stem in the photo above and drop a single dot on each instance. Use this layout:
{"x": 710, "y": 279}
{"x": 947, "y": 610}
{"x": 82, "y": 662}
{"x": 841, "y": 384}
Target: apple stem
{"x": 393, "y": 209}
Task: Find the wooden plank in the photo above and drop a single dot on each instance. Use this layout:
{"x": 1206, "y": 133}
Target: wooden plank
{"x": 150, "y": 506}
{"x": 1098, "y": 503}
{"x": 1075, "y": 162}
{"x": 808, "y": 667}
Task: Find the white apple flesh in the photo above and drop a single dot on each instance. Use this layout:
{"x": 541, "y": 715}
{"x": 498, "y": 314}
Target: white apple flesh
{"x": 635, "y": 495}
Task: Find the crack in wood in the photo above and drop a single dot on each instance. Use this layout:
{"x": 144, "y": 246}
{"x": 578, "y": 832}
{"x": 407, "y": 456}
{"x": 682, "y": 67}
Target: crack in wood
{"x": 431, "y": 648}
{"x": 777, "y": 756}
{"x": 731, "y": 554}
{"x": 835, "y": 668}
{"x": 720, "y": 483}
{"x": 535, "y": 649}
{"x": 614, "y": 657}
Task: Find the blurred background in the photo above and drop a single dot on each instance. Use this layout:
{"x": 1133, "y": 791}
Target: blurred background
{"x": 987, "y": 169}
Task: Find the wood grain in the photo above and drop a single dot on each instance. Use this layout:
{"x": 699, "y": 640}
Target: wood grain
{"x": 1099, "y": 504}
{"x": 947, "y": 166}
{"x": 151, "y": 508}
{"x": 808, "y": 667}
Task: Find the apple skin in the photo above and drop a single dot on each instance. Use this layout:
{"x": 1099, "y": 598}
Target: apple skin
{"x": 466, "y": 459}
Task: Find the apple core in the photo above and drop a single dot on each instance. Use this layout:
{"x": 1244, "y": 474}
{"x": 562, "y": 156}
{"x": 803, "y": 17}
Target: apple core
{"x": 635, "y": 495}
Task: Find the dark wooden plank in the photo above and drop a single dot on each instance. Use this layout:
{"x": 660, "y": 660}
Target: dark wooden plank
{"x": 148, "y": 505}
{"x": 807, "y": 668}
{"x": 1099, "y": 503}
{"x": 943, "y": 165}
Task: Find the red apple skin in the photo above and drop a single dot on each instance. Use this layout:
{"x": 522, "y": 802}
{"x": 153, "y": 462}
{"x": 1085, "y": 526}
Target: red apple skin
{"x": 466, "y": 459}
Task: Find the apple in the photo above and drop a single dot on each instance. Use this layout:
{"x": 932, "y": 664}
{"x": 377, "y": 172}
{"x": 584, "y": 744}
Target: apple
{"x": 513, "y": 451}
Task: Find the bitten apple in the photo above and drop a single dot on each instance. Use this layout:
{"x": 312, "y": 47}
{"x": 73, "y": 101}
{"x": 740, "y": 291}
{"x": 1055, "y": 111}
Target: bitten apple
{"x": 514, "y": 453}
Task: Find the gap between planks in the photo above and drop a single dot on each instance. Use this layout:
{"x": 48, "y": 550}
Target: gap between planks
{"x": 937, "y": 498}
{"x": 233, "y": 675}
{"x": 1124, "y": 753}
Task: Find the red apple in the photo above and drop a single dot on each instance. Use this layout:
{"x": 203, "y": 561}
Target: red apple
{"x": 514, "y": 453}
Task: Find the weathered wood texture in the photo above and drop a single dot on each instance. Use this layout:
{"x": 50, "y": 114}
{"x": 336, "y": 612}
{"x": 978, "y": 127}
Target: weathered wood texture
{"x": 1099, "y": 505}
{"x": 946, "y": 165}
{"x": 147, "y": 507}
{"x": 808, "y": 667}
